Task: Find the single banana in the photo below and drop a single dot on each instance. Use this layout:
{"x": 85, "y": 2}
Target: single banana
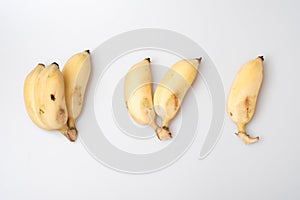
{"x": 76, "y": 74}
{"x": 243, "y": 96}
{"x": 138, "y": 97}
{"x": 50, "y": 100}
{"x": 172, "y": 89}
{"x": 29, "y": 95}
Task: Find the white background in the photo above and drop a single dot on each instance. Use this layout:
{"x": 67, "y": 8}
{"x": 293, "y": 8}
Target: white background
{"x": 35, "y": 164}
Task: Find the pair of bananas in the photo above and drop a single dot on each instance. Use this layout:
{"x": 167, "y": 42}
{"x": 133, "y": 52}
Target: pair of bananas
{"x": 54, "y": 98}
{"x": 168, "y": 95}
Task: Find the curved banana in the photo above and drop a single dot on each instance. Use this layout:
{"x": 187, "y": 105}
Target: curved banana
{"x": 138, "y": 97}
{"x": 44, "y": 99}
{"x": 76, "y": 74}
{"x": 29, "y": 95}
{"x": 50, "y": 100}
{"x": 50, "y": 97}
{"x": 243, "y": 96}
{"x": 172, "y": 89}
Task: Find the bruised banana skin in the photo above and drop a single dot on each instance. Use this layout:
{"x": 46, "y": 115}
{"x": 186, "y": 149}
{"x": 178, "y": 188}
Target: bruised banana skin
{"x": 138, "y": 97}
{"x": 50, "y": 100}
{"x": 172, "y": 89}
{"x": 243, "y": 95}
{"x": 76, "y": 73}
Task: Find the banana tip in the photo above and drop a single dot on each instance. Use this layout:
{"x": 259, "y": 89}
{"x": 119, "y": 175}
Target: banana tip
{"x": 149, "y": 60}
{"x": 41, "y": 64}
{"x": 261, "y": 57}
{"x": 55, "y": 63}
{"x": 199, "y": 59}
{"x": 88, "y": 51}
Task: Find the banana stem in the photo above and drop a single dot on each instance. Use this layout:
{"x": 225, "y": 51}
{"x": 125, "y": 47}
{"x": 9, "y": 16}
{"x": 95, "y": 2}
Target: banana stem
{"x": 162, "y": 133}
{"x": 71, "y": 124}
{"x": 72, "y": 128}
{"x": 165, "y": 123}
{"x": 247, "y": 139}
{"x": 69, "y": 132}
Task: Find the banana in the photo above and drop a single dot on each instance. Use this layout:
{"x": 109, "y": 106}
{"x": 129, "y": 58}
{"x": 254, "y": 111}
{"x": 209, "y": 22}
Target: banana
{"x": 29, "y": 94}
{"x": 138, "y": 97}
{"x": 172, "y": 89}
{"x": 243, "y": 96}
{"x": 76, "y": 74}
{"x": 45, "y": 101}
{"x": 50, "y": 100}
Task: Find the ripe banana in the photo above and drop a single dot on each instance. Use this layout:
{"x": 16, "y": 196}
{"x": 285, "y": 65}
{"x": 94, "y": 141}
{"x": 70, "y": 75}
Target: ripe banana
{"x": 243, "y": 95}
{"x": 50, "y": 100}
{"x": 138, "y": 97}
{"x": 29, "y": 95}
{"x": 172, "y": 89}
{"x": 45, "y": 101}
{"x": 76, "y": 74}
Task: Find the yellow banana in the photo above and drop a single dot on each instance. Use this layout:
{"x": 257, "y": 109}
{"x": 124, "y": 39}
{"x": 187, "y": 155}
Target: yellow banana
{"x": 50, "y": 97}
{"x": 76, "y": 74}
{"x": 29, "y": 95}
{"x": 50, "y": 100}
{"x": 138, "y": 97}
{"x": 243, "y": 96}
{"x": 44, "y": 99}
{"x": 172, "y": 89}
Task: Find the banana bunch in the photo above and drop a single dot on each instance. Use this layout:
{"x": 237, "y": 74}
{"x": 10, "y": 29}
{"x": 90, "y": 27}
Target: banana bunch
{"x": 54, "y": 99}
{"x": 168, "y": 96}
{"x": 243, "y": 96}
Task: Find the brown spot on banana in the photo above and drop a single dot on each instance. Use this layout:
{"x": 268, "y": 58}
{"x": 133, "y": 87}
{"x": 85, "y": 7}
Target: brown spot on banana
{"x": 247, "y": 101}
{"x": 247, "y": 104}
{"x": 145, "y": 103}
{"x": 176, "y": 104}
{"x": 41, "y": 111}
{"x": 78, "y": 95}
{"x": 173, "y": 102}
{"x": 52, "y": 96}
{"x": 61, "y": 115}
